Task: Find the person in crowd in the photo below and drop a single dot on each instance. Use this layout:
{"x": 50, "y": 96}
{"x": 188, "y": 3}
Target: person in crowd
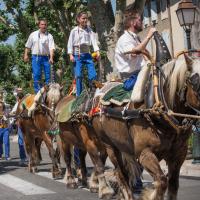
{"x": 4, "y": 131}
{"x": 80, "y": 39}
{"x": 41, "y": 44}
{"x": 129, "y": 65}
{"x": 22, "y": 153}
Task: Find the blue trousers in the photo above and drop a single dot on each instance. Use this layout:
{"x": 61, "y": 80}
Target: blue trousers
{"x": 4, "y": 139}
{"x": 85, "y": 59}
{"x": 130, "y": 82}
{"x": 39, "y": 63}
{"x": 22, "y": 153}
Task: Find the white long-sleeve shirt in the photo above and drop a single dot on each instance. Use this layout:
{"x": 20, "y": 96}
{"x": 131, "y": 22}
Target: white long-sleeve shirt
{"x": 79, "y": 37}
{"x": 40, "y": 44}
{"x": 127, "y": 63}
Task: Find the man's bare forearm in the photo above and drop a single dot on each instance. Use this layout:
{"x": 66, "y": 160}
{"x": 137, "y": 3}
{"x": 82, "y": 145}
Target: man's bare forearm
{"x": 51, "y": 54}
{"x": 27, "y": 50}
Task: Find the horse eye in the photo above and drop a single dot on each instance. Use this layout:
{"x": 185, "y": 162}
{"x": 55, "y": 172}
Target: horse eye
{"x": 195, "y": 78}
{"x": 195, "y": 81}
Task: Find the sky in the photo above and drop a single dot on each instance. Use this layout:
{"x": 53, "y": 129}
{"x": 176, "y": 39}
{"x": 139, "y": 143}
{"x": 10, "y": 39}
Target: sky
{"x": 11, "y": 40}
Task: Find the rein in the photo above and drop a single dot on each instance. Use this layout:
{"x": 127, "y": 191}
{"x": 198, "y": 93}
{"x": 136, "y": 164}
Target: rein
{"x": 197, "y": 111}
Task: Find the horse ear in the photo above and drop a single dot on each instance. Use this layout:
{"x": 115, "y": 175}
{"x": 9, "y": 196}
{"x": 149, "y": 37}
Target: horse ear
{"x": 61, "y": 87}
{"x": 188, "y": 61}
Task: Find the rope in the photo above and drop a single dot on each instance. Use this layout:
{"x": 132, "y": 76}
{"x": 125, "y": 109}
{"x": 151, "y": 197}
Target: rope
{"x": 187, "y": 51}
{"x": 171, "y": 113}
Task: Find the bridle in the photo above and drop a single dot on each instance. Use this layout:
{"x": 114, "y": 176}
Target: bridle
{"x": 188, "y": 81}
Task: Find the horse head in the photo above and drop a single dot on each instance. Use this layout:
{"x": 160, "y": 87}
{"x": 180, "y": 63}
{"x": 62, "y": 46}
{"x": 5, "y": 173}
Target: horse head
{"x": 54, "y": 94}
{"x": 183, "y": 82}
{"x": 193, "y": 82}
{"x": 50, "y": 94}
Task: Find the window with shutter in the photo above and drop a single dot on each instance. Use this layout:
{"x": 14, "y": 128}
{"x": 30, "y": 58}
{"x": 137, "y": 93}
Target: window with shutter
{"x": 163, "y": 8}
{"x": 154, "y": 11}
{"x": 146, "y": 16}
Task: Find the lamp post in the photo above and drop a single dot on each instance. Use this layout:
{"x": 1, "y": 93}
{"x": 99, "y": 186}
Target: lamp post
{"x": 186, "y": 16}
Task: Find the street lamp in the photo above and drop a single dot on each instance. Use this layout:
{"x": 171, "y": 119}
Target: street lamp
{"x": 186, "y": 16}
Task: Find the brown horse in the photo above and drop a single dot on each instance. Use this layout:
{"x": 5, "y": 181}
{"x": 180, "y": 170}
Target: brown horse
{"x": 79, "y": 133}
{"x": 36, "y": 122}
{"x": 156, "y": 136}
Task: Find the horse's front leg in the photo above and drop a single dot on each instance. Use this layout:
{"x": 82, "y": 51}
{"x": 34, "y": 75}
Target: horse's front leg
{"x": 67, "y": 156}
{"x": 174, "y": 166}
{"x": 82, "y": 155}
{"x": 56, "y": 172}
{"x": 38, "y": 143}
{"x": 30, "y": 146}
{"x": 105, "y": 190}
{"x": 149, "y": 161}
{"x": 173, "y": 180}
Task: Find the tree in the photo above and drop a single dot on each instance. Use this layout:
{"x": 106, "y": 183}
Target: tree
{"x": 109, "y": 26}
{"x": 20, "y": 17}
{"x": 7, "y": 69}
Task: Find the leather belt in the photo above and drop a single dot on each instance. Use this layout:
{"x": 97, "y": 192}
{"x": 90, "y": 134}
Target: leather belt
{"x": 40, "y": 55}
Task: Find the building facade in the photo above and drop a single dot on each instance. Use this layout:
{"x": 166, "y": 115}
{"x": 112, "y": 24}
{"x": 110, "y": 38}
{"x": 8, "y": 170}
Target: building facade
{"x": 162, "y": 13}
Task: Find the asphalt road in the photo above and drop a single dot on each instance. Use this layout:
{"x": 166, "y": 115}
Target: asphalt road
{"x": 16, "y": 183}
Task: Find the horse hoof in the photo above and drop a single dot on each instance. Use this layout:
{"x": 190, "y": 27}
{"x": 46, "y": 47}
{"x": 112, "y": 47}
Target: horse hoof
{"x": 32, "y": 170}
{"x": 107, "y": 196}
{"x": 57, "y": 175}
{"x": 106, "y": 193}
{"x": 94, "y": 190}
{"x": 84, "y": 184}
{"x": 72, "y": 186}
{"x": 35, "y": 170}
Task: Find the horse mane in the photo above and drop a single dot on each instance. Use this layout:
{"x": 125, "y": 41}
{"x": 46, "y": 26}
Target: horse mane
{"x": 175, "y": 72}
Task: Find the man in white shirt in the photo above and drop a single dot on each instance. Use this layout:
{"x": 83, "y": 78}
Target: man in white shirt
{"x": 78, "y": 47}
{"x": 41, "y": 44}
{"x": 128, "y": 64}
